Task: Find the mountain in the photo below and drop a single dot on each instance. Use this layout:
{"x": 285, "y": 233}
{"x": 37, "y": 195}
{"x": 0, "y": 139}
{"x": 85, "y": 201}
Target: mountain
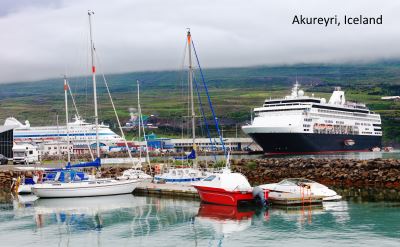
{"x": 234, "y": 91}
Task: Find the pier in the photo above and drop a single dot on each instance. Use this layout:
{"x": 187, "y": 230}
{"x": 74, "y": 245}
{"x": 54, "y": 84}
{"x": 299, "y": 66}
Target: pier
{"x": 167, "y": 190}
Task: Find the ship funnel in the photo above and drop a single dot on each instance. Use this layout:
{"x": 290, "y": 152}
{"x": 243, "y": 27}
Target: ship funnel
{"x": 337, "y": 97}
{"x": 13, "y": 122}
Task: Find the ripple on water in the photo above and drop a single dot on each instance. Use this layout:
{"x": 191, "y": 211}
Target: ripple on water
{"x": 141, "y": 221}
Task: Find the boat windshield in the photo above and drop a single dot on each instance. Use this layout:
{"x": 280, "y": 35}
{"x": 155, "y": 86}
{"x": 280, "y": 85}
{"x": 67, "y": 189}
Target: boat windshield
{"x": 210, "y": 178}
{"x": 295, "y": 181}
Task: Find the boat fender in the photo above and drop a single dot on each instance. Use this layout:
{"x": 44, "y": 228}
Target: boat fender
{"x": 158, "y": 169}
{"x": 17, "y": 183}
{"x": 40, "y": 177}
{"x": 261, "y": 196}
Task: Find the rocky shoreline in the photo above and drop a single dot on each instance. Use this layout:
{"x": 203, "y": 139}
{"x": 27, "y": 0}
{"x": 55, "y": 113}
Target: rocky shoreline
{"x": 375, "y": 173}
{"x": 345, "y": 173}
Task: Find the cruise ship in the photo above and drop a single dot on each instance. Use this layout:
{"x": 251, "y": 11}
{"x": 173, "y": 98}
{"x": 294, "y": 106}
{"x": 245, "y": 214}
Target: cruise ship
{"x": 306, "y": 124}
{"x": 79, "y": 132}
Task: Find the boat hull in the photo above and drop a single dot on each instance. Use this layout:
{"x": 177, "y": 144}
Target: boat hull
{"x": 221, "y": 196}
{"x": 158, "y": 179}
{"x": 281, "y": 143}
{"x": 25, "y": 189}
{"x": 84, "y": 189}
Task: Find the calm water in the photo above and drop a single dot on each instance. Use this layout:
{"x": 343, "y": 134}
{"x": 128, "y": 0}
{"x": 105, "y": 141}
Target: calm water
{"x": 128, "y": 220}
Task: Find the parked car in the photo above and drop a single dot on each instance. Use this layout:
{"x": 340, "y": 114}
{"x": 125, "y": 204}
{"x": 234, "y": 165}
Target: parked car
{"x": 3, "y": 160}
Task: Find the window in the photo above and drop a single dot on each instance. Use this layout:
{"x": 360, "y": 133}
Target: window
{"x": 210, "y": 178}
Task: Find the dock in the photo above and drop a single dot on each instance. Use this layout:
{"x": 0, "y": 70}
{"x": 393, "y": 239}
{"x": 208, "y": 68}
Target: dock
{"x": 294, "y": 201}
{"x": 166, "y": 190}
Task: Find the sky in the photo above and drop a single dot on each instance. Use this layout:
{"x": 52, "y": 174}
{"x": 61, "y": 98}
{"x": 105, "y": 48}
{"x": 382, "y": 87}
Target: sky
{"x": 46, "y": 38}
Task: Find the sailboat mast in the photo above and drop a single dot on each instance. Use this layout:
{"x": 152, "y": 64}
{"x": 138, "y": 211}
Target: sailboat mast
{"x": 141, "y": 124}
{"x": 190, "y": 74}
{"x": 96, "y": 116}
{"x": 66, "y": 117}
{"x": 140, "y": 119}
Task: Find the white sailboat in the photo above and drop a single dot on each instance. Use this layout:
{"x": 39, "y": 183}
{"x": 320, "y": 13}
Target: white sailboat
{"x": 188, "y": 174}
{"x": 135, "y": 172}
{"x": 96, "y": 187}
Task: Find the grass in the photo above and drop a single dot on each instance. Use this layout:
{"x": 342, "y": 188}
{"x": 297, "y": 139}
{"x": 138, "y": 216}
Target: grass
{"x": 234, "y": 92}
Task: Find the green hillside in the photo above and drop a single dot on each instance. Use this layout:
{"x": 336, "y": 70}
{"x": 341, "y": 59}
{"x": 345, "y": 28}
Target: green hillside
{"x": 234, "y": 91}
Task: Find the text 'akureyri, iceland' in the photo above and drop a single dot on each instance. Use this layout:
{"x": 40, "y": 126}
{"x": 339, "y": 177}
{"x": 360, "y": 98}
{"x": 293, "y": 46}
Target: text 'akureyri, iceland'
{"x": 337, "y": 21}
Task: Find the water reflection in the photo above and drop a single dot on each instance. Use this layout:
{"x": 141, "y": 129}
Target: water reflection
{"x": 144, "y": 214}
{"x": 150, "y": 221}
{"x": 224, "y": 219}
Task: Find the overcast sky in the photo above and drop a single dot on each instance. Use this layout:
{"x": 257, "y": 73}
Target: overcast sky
{"x": 45, "y": 38}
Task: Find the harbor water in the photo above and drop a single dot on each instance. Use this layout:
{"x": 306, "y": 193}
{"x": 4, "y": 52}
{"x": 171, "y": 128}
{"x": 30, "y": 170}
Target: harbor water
{"x": 127, "y": 220}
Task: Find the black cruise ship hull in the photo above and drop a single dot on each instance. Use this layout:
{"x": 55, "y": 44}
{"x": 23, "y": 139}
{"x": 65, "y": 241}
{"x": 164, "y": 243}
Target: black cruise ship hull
{"x": 275, "y": 143}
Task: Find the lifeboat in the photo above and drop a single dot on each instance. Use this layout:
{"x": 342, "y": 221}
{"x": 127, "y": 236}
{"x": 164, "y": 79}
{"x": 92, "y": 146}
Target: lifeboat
{"x": 349, "y": 142}
{"x": 376, "y": 149}
{"x": 388, "y": 149}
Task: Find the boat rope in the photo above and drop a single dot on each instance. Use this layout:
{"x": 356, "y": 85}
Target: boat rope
{"x": 209, "y": 99}
{"x": 144, "y": 133}
{"x": 78, "y": 115}
{"x": 204, "y": 117}
{"x": 115, "y": 111}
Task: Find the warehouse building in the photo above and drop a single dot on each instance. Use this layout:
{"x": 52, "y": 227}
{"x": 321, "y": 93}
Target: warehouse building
{"x": 6, "y": 140}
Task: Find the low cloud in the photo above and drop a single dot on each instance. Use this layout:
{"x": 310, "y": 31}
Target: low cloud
{"x": 42, "y": 39}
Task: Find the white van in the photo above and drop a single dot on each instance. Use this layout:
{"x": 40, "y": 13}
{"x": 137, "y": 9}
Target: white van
{"x": 25, "y": 154}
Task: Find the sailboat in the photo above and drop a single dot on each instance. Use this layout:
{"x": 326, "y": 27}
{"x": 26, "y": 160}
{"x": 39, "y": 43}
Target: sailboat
{"x": 83, "y": 188}
{"x": 134, "y": 172}
{"x": 188, "y": 174}
{"x": 24, "y": 185}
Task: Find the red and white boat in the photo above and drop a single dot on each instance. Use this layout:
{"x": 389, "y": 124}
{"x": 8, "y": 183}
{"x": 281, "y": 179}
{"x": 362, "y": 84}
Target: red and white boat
{"x": 224, "y": 187}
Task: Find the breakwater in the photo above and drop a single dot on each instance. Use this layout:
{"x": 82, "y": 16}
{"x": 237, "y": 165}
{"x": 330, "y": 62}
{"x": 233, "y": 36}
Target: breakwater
{"x": 375, "y": 173}
{"x": 346, "y": 173}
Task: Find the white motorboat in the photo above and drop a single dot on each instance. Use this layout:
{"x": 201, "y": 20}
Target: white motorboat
{"x": 99, "y": 187}
{"x": 181, "y": 175}
{"x": 134, "y": 174}
{"x": 296, "y": 188}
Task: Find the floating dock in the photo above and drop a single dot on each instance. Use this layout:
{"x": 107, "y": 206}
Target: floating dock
{"x": 168, "y": 190}
{"x": 295, "y": 201}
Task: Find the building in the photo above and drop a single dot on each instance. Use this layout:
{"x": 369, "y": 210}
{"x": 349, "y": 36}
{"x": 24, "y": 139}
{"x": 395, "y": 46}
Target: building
{"x": 160, "y": 143}
{"x": 54, "y": 148}
{"x": 6, "y": 140}
{"x": 234, "y": 144}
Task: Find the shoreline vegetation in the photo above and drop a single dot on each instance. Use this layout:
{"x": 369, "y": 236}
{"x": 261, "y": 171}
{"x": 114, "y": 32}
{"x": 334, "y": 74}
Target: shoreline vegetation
{"x": 234, "y": 92}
